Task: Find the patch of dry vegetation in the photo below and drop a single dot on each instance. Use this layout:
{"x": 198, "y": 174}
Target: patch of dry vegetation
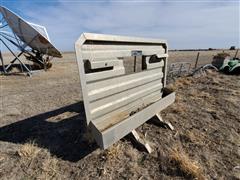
{"x": 183, "y": 81}
{"x": 113, "y": 152}
{"x": 28, "y": 150}
{"x": 1, "y": 157}
{"x": 179, "y": 108}
{"x": 185, "y": 164}
{"x": 37, "y": 163}
{"x": 194, "y": 137}
{"x": 49, "y": 168}
{"x": 180, "y": 83}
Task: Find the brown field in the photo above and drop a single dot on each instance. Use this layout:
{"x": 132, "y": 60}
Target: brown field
{"x": 42, "y": 129}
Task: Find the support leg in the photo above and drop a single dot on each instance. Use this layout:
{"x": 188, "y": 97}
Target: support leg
{"x": 4, "y": 70}
{"x": 141, "y": 142}
{"x": 167, "y": 123}
{"x": 16, "y": 56}
{"x": 22, "y": 64}
{"x": 13, "y": 61}
{"x": 28, "y": 70}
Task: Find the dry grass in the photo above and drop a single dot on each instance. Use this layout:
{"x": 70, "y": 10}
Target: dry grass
{"x": 1, "y": 157}
{"x": 184, "y": 81}
{"x": 178, "y": 108}
{"x": 204, "y": 95}
{"x": 29, "y": 150}
{"x": 180, "y": 83}
{"x": 114, "y": 151}
{"x": 221, "y": 55}
{"x": 197, "y": 137}
{"x": 49, "y": 168}
{"x": 185, "y": 164}
{"x": 37, "y": 163}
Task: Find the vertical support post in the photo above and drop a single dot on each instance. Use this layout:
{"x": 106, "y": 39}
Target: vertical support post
{"x": 196, "y": 63}
{"x": 189, "y": 68}
{"x": 165, "y": 67}
{"x": 1, "y": 57}
{"x": 235, "y": 56}
{"x": 180, "y": 70}
{"x": 135, "y": 64}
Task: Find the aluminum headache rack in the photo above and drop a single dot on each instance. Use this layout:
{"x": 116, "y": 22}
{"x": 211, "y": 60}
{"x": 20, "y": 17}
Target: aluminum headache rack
{"x": 115, "y": 102}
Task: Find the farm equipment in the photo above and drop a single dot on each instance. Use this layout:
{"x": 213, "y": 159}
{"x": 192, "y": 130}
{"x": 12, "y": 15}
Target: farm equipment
{"x": 231, "y": 66}
{"x": 226, "y": 64}
{"x": 22, "y": 38}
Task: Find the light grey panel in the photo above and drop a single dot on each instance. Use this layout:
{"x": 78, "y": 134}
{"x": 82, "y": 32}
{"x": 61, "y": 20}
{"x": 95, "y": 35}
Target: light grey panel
{"x": 115, "y": 53}
{"x": 117, "y": 102}
{"x": 110, "y": 103}
{"x": 124, "y": 112}
{"x": 108, "y": 87}
{"x": 113, "y": 133}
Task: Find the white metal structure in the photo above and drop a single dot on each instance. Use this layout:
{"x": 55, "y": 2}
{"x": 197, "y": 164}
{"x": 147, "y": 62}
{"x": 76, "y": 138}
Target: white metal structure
{"x": 116, "y": 102}
{"x": 23, "y": 35}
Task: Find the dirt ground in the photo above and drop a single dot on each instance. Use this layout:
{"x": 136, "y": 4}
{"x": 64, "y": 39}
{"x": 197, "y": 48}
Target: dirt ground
{"x": 42, "y": 134}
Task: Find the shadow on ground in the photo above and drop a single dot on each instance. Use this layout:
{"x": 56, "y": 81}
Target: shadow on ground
{"x": 63, "y": 137}
{"x": 19, "y": 69}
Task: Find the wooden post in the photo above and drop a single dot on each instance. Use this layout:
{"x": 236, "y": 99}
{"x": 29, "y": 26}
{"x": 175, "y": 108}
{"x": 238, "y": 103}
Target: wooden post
{"x": 196, "y": 63}
{"x": 235, "y": 56}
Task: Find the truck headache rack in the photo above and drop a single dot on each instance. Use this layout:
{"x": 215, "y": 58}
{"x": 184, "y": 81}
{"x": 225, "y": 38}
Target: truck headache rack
{"x": 115, "y": 102}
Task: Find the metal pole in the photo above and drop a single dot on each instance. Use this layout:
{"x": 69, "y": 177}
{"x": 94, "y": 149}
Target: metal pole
{"x": 135, "y": 63}
{"x": 16, "y": 58}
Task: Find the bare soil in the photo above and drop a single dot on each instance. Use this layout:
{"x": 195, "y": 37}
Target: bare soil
{"x": 42, "y": 133}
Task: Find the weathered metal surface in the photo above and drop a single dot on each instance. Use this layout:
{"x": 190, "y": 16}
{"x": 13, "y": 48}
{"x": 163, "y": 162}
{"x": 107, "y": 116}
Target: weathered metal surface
{"x": 118, "y": 130}
{"x": 116, "y": 102}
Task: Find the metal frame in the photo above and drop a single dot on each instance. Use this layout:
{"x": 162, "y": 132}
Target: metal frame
{"x": 117, "y": 103}
{"x": 179, "y": 69}
{"x": 30, "y": 39}
{"x": 11, "y": 37}
{"x": 3, "y": 38}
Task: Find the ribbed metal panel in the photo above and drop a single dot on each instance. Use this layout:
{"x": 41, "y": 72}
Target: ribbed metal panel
{"x": 111, "y": 96}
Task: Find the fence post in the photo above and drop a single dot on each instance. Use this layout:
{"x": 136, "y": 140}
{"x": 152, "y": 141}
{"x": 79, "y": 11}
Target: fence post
{"x": 196, "y": 63}
{"x": 235, "y": 56}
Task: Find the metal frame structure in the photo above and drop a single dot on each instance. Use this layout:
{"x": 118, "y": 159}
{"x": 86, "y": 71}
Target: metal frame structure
{"x": 11, "y": 38}
{"x": 30, "y": 39}
{"x": 179, "y": 69}
{"x": 117, "y": 103}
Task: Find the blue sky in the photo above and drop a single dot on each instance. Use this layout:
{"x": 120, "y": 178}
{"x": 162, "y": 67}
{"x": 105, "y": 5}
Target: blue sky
{"x": 183, "y": 23}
